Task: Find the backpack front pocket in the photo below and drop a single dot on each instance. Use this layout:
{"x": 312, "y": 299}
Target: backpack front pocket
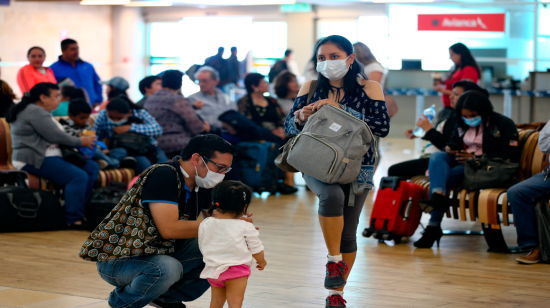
{"x": 314, "y": 157}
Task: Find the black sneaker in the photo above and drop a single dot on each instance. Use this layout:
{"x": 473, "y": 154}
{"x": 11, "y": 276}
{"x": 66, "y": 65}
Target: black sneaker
{"x": 158, "y": 304}
{"x": 334, "y": 278}
{"x": 284, "y": 189}
{"x": 335, "y": 301}
{"x": 128, "y": 162}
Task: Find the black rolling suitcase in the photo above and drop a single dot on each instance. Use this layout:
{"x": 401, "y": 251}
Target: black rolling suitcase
{"x": 25, "y": 209}
{"x": 103, "y": 200}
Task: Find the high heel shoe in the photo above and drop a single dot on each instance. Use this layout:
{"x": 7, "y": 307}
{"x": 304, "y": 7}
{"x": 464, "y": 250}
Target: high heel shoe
{"x": 436, "y": 202}
{"x": 431, "y": 234}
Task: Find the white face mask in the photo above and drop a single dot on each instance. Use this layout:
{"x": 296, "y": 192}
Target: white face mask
{"x": 117, "y": 123}
{"x": 333, "y": 69}
{"x": 210, "y": 180}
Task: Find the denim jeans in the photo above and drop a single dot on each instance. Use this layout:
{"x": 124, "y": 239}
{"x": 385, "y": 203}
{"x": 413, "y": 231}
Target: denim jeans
{"x": 143, "y": 162}
{"x": 167, "y": 278}
{"x": 522, "y": 198}
{"x": 444, "y": 172}
{"x": 78, "y": 183}
{"x": 113, "y": 158}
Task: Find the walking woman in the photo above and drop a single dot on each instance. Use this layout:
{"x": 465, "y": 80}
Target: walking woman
{"x": 465, "y": 68}
{"x": 34, "y": 72}
{"x": 339, "y": 86}
{"x": 36, "y": 138}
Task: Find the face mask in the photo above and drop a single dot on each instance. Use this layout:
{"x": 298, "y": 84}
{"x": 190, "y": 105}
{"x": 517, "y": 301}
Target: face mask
{"x": 473, "y": 122}
{"x": 117, "y": 123}
{"x": 333, "y": 69}
{"x": 210, "y": 180}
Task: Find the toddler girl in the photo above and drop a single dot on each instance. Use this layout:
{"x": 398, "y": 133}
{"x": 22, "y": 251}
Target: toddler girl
{"x": 229, "y": 245}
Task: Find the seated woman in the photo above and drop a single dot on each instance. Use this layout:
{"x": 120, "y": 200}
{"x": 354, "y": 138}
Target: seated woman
{"x": 479, "y": 131}
{"x": 438, "y": 136}
{"x": 122, "y": 116}
{"x": 267, "y": 113}
{"x": 36, "y": 137}
{"x": 286, "y": 88}
{"x": 6, "y": 98}
{"x": 263, "y": 110}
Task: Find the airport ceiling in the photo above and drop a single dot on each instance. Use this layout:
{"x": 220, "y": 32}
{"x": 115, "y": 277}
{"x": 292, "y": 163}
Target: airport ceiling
{"x": 277, "y": 2}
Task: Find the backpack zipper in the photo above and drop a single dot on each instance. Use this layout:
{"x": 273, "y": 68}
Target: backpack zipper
{"x": 370, "y": 131}
{"x": 333, "y": 149}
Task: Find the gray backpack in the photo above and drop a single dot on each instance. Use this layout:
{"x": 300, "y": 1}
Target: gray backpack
{"x": 331, "y": 146}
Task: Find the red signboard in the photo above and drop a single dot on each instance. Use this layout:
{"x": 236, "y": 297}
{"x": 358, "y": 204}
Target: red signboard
{"x": 462, "y": 22}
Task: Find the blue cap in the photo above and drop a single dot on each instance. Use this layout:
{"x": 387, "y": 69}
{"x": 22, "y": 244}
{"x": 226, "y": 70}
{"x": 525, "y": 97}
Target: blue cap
{"x": 117, "y": 82}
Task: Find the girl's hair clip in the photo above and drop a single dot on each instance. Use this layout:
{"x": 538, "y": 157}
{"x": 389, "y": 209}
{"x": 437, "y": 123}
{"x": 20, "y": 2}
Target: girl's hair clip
{"x": 217, "y": 204}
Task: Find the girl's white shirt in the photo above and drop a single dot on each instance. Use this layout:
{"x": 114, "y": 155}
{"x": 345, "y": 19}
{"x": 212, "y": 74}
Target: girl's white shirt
{"x": 227, "y": 242}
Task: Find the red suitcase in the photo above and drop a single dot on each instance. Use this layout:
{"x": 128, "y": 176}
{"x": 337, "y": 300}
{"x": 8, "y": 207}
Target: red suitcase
{"x": 396, "y": 212}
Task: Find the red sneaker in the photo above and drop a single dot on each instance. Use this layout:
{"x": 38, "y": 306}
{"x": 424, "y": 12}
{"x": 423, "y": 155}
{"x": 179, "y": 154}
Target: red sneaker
{"x": 335, "y": 301}
{"x": 334, "y": 279}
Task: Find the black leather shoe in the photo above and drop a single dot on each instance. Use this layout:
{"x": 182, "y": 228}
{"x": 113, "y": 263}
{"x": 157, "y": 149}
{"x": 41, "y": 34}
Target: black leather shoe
{"x": 158, "y": 304}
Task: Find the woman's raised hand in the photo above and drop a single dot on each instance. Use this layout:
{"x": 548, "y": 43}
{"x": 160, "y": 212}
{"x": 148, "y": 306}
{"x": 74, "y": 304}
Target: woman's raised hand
{"x": 306, "y": 112}
{"x": 88, "y": 141}
{"x": 320, "y": 103}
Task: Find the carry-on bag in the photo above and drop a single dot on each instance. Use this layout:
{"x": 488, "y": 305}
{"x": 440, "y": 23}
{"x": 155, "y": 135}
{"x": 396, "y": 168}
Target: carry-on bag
{"x": 103, "y": 200}
{"x": 254, "y": 165}
{"x": 25, "y": 209}
{"x": 543, "y": 223}
{"x": 396, "y": 212}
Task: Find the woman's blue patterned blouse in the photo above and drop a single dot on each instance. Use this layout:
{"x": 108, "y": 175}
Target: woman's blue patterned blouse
{"x": 373, "y": 112}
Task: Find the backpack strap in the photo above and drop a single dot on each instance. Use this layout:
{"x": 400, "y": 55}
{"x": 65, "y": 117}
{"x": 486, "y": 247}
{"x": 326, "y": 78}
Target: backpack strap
{"x": 312, "y": 89}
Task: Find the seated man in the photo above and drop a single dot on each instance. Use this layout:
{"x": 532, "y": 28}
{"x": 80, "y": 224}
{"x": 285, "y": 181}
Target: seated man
{"x": 165, "y": 270}
{"x": 210, "y": 102}
{"x": 522, "y": 198}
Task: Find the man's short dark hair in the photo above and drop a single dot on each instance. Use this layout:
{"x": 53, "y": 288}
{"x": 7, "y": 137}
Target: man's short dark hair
{"x": 66, "y": 43}
{"x": 221, "y": 49}
{"x": 206, "y": 145}
{"x": 288, "y": 52}
{"x": 233, "y": 48}
{"x": 146, "y": 83}
{"x": 78, "y": 106}
{"x": 171, "y": 79}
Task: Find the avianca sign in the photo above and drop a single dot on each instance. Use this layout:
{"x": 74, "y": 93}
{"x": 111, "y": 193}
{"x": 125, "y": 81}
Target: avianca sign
{"x": 462, "y": 22}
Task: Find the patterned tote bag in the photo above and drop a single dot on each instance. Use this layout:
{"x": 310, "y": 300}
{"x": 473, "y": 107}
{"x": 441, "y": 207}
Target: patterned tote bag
{"x": 128, "y": 230}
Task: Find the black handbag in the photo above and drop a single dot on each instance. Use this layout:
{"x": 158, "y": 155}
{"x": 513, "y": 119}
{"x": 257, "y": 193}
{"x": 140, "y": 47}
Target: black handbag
{"x": 483, "y": 172}
{"x": 24, "y": 209}
{"x": 72, "y": 156}
{"x": 102, "y": 202}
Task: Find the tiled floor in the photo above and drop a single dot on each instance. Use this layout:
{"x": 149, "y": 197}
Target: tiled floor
{"x": 42, "y": 270}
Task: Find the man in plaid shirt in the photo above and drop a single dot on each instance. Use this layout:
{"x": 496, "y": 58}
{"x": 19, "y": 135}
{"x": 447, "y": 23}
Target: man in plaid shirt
{"x": 122, "y": 116}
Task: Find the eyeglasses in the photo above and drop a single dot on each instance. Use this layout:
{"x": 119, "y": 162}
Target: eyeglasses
{"x": 221, "y": 169}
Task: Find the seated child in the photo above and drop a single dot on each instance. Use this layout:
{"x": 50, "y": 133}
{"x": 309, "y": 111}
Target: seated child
{"x": 68, "y": 93}
{"x": 78, "y": 124}
{"x": 229, "y": 245}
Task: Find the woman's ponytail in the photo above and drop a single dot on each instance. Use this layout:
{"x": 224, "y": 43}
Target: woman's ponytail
{"x": 31, "y": 97}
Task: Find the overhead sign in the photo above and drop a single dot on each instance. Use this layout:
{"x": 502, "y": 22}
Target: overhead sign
{"x": 462, "y": 22}
{"x": 296, "y": 8}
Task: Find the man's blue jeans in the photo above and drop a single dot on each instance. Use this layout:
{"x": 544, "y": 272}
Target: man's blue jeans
{"x": 522, "y": 198}
{"x": 444, "y": 171}
{"x": 168, "y": 278}
{"x": 113, "y": 158}
{"x": 78, "y": 183}
{"x": 144, "y": 163}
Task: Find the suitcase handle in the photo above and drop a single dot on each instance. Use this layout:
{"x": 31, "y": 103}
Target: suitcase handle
{"x": 391, "y": 181}
{"x": 405, "y": 209}
{"x": 26, "y": 207}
